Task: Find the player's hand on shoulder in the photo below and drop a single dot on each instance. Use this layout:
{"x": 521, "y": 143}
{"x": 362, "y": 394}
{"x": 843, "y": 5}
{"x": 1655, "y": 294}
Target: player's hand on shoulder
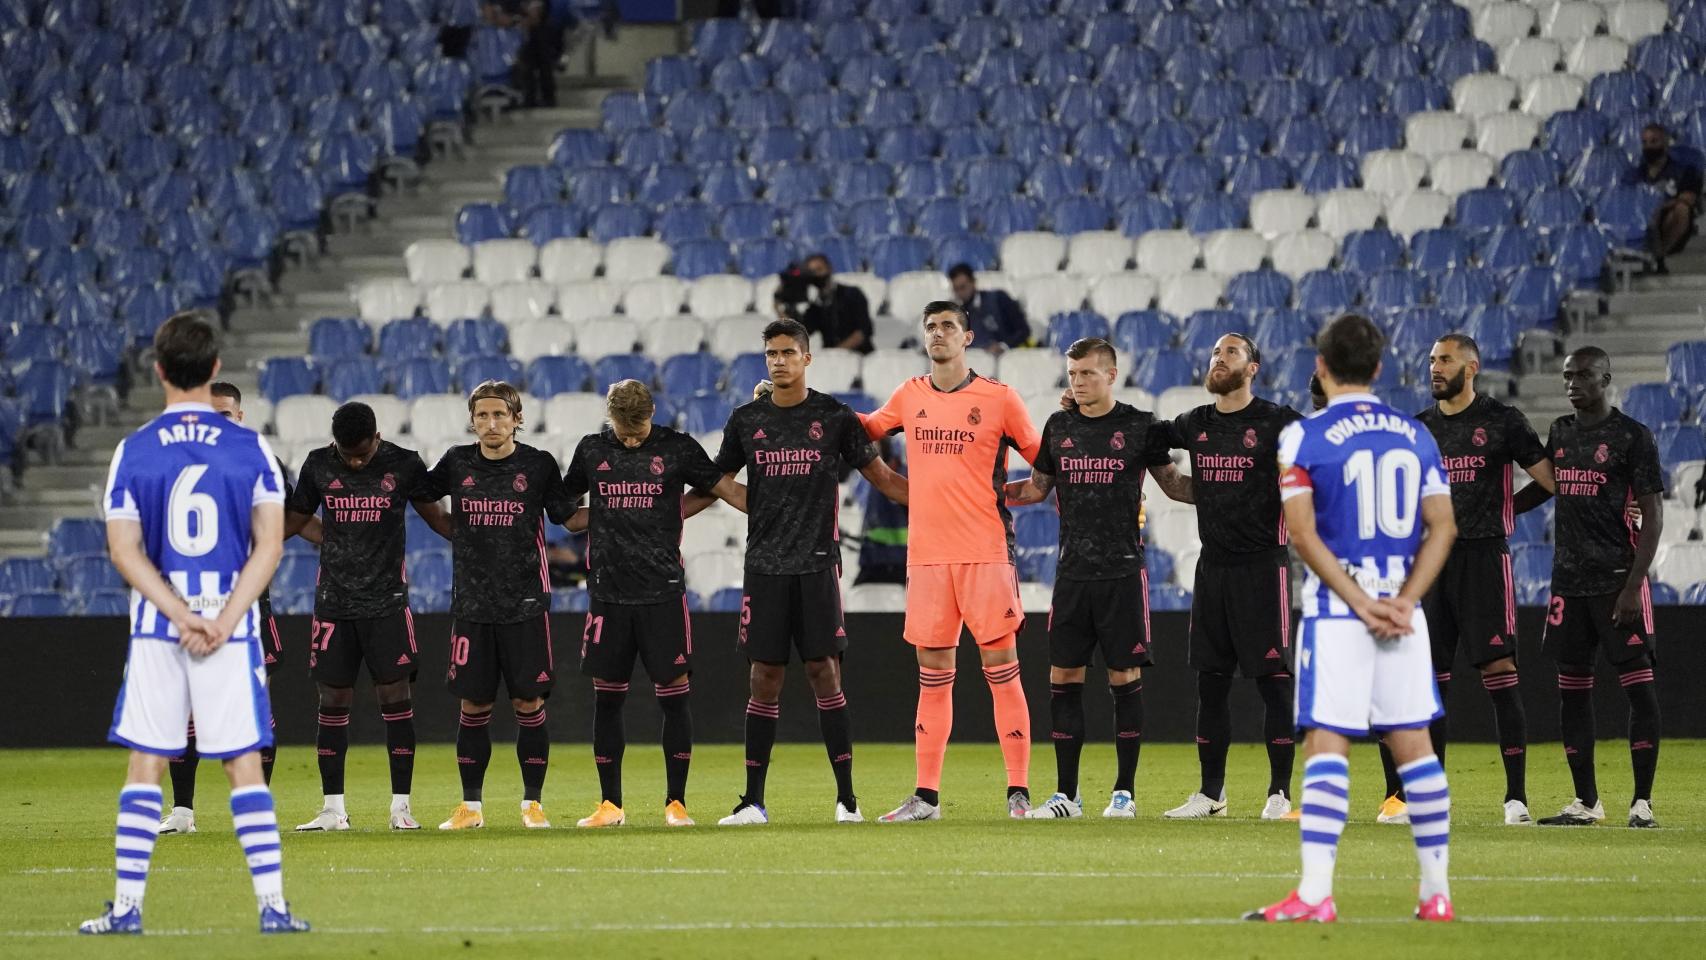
{"x": 1067, "y": 402}
{"x": 762, "y": 389}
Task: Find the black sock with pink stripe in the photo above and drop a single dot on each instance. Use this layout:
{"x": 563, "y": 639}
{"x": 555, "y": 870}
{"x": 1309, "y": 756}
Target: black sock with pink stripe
{"x": 761, "y": 721}
{"x": 1214, "y": 730}
{"x": 837, "y": 726}
{"x": 532, "y": 751}
{"x": 1638, "y": 686}
{"x": 1066, "y": 716}
{"x": 474, "y": 753}
{"x": 1128, "y": 733}
{"x": 1575, "y": 720}
{"x": 1438, "y": 730}
{"x": 269, "y": 754}
{"x": 677, "y": 738}
{"x": 183, "y": 768}
{"x": 609, "y": 737}
{"x": 400, "y": 743}
{"x": 332, "y": 745}
{"x": 1279, "y": 729}
{"x": 1512, "y": 723}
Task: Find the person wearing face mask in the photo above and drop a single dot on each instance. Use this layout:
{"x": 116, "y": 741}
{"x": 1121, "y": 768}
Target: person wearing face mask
{"x": 996, "y": 317}
{"x": 838, "y": 314}
{"x": 1679, "y": 180}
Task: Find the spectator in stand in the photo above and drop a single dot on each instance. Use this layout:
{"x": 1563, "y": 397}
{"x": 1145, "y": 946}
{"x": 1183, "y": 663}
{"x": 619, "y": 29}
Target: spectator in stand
{"x": 1678, "y": 178}
{"x": 457, "y": 29}
{"x": 541, "y": 47}
{"x": 840, "y": 315}
{"x": 996, "y": 318}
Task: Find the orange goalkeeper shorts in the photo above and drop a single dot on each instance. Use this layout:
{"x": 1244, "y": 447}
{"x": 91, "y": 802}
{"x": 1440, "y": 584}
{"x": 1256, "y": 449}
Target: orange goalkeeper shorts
{"x": 983, "y": 597}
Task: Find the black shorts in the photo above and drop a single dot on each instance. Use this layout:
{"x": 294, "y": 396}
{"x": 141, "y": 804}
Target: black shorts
{"x": 780, "y": 613}
{"x": 1110, "y": 615}
{"x": 1473, "y": 605}
{"x": 272, "y": 648}
{"x": 1241, "y": 618}
{"x": 1576, "y": 625}
{"x": 519, "y": 652}
{"x": 338, "y": 648}
{"x": 659, "y": 634}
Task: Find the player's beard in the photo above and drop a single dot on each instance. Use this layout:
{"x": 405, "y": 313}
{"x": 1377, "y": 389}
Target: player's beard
{"x": 1450, "y": 388}
{"x": 1222, "y": 381}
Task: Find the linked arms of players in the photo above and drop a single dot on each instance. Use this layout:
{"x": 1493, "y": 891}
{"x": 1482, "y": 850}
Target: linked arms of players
{"x": 1628, "y": 610}
{"x": 1035, "y": 488}
{"x": 1386, "y": 618}
{"x": 727, "y": 489}
{"x": 307, "y": 525}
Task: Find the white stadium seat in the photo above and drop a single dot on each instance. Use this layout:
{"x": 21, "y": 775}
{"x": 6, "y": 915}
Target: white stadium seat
{"x": 381, "y": 301}
{"x": 1031, "y": 371}
{"x": 720, "y": 295}
{"x": 1417, "y": 211}
{"x": 390, "y": 415}
{"x": 1497, "y": 23}
{"x": 1098, "y": 251}
{"x": 600, "y": 338}
{"x": 1029, "y": 253}
{"x": 889, "y": 332}
{"x": 1681, "y": 564}
{"x": 1592, "y": 56}
{"x": 876, "y": 598}
{"x": 884, "y": 370}
{"x": 575, "y": 414}
{"x": 1176, "y": 400}
{"x": 1277, "y": 212}
{"x": 1163, "y": 253}
{"x": 439, "y": 416}
{"x": 1634, "y": 20}
{"x": 1119, "y": 293}
{"x": 1296, "y": 254}
{"x": 585, "y": 299}
{"x": 1041, "y": 405}
{"x": 1036, "y": 597}
{"x": 1544, "y": 96}
{"x": 567, "y": 259}
{"x": 1393, "y": 172}
{"x": 732, "y": 336}
{"x": 504, "y": 261}
{"x": 1570, "y": 21}
{"x": 1185, "y": 566}
{"x": 305, "y": 416}
{"x": 710, "y": 531}
{"x": 910, "y": 291}
{"x": 1460, "y": 170}
{"x": 654, "y": 298}
{"x": 1231, "y": 252}
{"x": 532, "y": 339}
{"x": 1174, "y": 531}
{"x": 875, "y": 289}
{"x": 834, "y": 370}
{"x": 1136, "y": 396}
{"x": 1433, "y": 132}
{"x": 1529, "y": 57}
{"x": 1500, "y": 134}
{"x": 995, "y": 280}
{"x": 521, "y": 301}
{"x": 1482, "y": 93}
{"x": 257, "y": 413}
{"x": 457, "y": 300}
{"x": 982, "y": 360}
{"x": 713, "y": 570}
{"x": 672, "y": 335}
{"x": 1346, "y": 211}
{"x": 635, "y": 258}
{"x": 1186, "y": 293}
{"x": 1044, "y": 296}
{"x": 436, "y": 261}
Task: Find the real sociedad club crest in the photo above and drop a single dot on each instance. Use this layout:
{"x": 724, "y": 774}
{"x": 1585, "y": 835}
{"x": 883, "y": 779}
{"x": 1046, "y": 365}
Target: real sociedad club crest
{"x": 1118, "y": 442}
{"x": 1250, "y": 438}
{"x": 816, "y": 431}
{"x": 520, "y": 483}
{"x": 657, "y": 466}
{"x": 1602, "y": 454}
{"x": 388, "y": 483}
{"x": 975, "y": 417}
{"x": 1480, "y": 437}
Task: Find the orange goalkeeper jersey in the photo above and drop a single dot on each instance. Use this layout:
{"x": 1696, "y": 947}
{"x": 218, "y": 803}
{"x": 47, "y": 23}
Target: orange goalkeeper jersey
{"x": 956, "y": 461}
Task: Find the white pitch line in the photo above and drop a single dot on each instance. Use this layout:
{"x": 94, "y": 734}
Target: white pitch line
{"x": 760, "y": 926}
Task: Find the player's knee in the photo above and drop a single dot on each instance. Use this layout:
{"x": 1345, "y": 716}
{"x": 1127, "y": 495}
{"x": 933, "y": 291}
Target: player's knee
{"x": 997, "y": 654}
{"x": 673, "y": 686}
{"x": 824, "y": 676}
{"x": 475, "y": 709}
{"x": 1069, "y": 674}
{"x": 1496, "y": 667}
{"x": 766, "y": 682}
{"x": 934, "y": 658}
{"x": 526, "y": 706}
{"x": 1275, "y": 689}
{"x": 393, "y": 692}
{"x": 336, "y": 696}
{"x": 1119, "y": 678}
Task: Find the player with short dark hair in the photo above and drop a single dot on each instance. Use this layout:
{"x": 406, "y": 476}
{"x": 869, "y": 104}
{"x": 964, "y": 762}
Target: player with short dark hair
{"x": 1241, "y": 597}
{"x": 1093, "y": 457}
{"x": 195, "y": 523}
{"x": 794, "y": 444}
{"x": 1603, "y": 462}
{"x": 359, "y": 486}
{"x": 1369, "y": 511}
{"x": 635, "y": 472}
{"x": 1473, "y": 603}
{"x": 501, "y": 492}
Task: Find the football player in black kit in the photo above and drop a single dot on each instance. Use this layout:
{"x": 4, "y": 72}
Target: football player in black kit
{"x": 1473, "y": 603}
{"x": 1094, "y": 457}
{"x": 501, "y": 494}
{"x": 795, "y": 444}
{"x": 1603, "y": 463}
{"x": 359, "y": 487}
{"x": 1241, "y": 601}
{"x": 636, "y": 473}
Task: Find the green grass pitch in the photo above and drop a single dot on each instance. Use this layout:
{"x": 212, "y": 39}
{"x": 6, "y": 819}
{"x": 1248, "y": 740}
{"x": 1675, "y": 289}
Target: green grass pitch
{"x": 974, "y": 884}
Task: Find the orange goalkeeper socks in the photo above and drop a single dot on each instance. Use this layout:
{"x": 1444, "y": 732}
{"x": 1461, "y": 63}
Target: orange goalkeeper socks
{"x": 1012, "y": 721}
{"x": 935, "y": 722}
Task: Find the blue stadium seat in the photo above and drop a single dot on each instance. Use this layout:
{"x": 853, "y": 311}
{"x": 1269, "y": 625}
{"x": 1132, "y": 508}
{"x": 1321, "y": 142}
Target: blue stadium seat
{"x": 1625, "y": 212}
{"x": 1167, "y": 596}
{"x": 704, "y": 413}
{"x": 106, "y": 603}
{"x": 1654, "y": 404}
{"x": 1066, "y": 328}
{"x": 1679, "y": 442}
{"x": 1484, "y": 208}
{"x": 1081, "y": 214}
{"x": 865, "y": 180}
{"x": 1508, "y": 248}
{"x": 726, "y": 600}
{"x": 1532, "y": 562}
{"x": 1004, "y": 215}
{"x": 580, "y": 148}
{"x": 1202, "y": 328}
{"x": 688, "y": 373}
{"x": 72, "y": 537}
{"x": 763, "y": 258}
{"x": 977, "y": 252}
{"x": 549, "y": 376}
{"x": 776, "y": 145}
{"x": 1323, "y": 292}
{"x": 408, "y": 339}
{"x": 419, "y": 377}
{"x": 1054, "y": 178}
{"x": 1141, "y": 331}
{"x": 1570, "y": 133}
{"x": 1368, "y": 251}
{"x": 40, "y": 604}
{"x": 282, "y": 377}
{"x": 1534, "y": 293}
{"x": 891, "y": 256}
{"x": 622, "y": 366}
{"x": 796, "y": 183}
{"x": 1439, "y": 249}
{"x": 1554, "y": 208}
{"x": 1396, "y": 289}
{"x": 747, "y": 221}
{"x": 685, "y": 221}
{"x": 1326, "y": 172}
{"x": 24, "y": 574}
{"x": 905, "y": 144}
{"x": 87, "y": 575}
{"x": 476, "y": 370}
{"x": 483, "y": 221}
{"x": 1281, "y": 331}
{"x": 1465, "y": 288}
{"x": 1621, "y": 93}
{"x": 1253, "y": 174}
{"x": 474, "y": 337}
{"x": 1186, "y": 179}
{"x": 616, "y": 220}
{"x": 666, "y": 184}
{"x": 700, "y": 257}
{"x": 1365, "y": 134}
{"x": 921, "y": 181}
{"x": 1158, "y": 371}
{"x": 1578, "y": 254}
{"x": 1535, "y": 526}
{"x": 348, "y": 376}
{"x": 1495, "y": 329}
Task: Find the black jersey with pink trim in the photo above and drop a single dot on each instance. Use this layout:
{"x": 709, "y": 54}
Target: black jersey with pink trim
{"x": 498, "y": 511}
{"x": 1098, "y": 464}
{"x": 1480, "y": 446}
{"x": 1235, "y": 476}
{"x": 634, "y": 535}
{"x": 1600, "y": 471}
{"x": 362, "y": 523}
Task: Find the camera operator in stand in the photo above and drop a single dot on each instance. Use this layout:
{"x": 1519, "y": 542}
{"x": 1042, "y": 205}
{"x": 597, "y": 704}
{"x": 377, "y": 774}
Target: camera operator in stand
{"x": 838, "y": 314}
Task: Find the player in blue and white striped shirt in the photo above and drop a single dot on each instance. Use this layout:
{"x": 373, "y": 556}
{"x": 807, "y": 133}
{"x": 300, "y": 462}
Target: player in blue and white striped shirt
{"x": 1369, "y": 511}
{"x": 195, "y": 522}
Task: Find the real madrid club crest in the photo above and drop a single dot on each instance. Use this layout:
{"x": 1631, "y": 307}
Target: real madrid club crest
{"x": 975, "y": 417}
{"x": 1118, "y": 442}
{"x": 520, "y": 483}
{"x": 816, "y": 430}
{"x": 657, "y": 466}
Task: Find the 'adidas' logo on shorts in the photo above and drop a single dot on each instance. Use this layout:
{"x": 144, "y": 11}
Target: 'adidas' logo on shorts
{"x": 403, "y": 660}
{"x": 1272, "y": 654}
{"x": 1010, "y": 615}
{"x": 1497, "y": 641}
{"x": 680, "y": 658}
{"x": 544, "y": 677}
{"x": 1634, "y": 640}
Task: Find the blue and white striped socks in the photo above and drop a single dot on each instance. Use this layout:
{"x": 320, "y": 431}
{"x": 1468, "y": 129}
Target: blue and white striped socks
{"x": 1326, "y": 802}
{"x": 1430, "y": 821}
{"x": 138, "y": 829}
{"x": 257, "y": 829}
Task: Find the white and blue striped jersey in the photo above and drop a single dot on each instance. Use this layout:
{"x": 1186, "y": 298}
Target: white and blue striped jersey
{"x": 1367, "y": 468}
{"x": 191, "y": 478}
